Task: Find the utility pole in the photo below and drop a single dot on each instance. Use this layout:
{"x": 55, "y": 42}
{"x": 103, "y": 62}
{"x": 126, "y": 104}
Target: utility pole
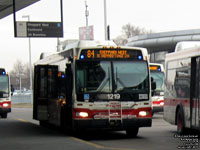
{"x": 30, "y": 63}
{"x": 105, "y": 20}
{"x": 86, "y": 15}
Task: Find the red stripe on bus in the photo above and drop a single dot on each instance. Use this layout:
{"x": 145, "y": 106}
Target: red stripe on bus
{"x": 184, "y": 102}
{"x": 175, "y": 102}
{"x": 157, "y": 102}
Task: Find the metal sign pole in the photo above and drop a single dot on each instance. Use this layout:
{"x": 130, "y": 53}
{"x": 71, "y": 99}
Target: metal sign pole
{"x": 61, "y": 13}
{"x": 14, "y": 19}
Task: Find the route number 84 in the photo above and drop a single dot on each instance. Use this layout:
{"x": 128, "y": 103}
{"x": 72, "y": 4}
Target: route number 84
{"x": 113, "y": 96}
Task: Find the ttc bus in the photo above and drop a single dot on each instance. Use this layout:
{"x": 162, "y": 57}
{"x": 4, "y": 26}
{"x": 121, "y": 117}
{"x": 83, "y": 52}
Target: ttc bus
{"x": 182, "y": 89}
{"x": 5, "y": 94}
{"x": 157, "y": 73}
{"x": 94, "y": 85}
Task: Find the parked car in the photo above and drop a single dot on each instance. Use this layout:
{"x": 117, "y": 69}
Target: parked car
{"x": 28, "y": 92}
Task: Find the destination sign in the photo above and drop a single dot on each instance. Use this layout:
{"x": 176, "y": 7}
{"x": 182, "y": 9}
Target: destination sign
{"x": 110, "y": 54}
{"x": 155, "y": 68}
{"x": 39, "y": 29}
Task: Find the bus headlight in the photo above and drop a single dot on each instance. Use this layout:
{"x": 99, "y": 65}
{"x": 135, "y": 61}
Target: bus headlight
{"x": 162, "y": 104}
{"x": 143, "y": 113}
{"x": 82, "y": 114}
{"x": 5, "y": 105}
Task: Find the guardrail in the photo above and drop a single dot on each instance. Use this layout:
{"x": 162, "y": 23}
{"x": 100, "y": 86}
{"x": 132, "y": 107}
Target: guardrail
{"x": 21, "y": 99}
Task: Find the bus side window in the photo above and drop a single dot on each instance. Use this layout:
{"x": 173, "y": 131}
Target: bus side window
{"x": 52, "y": 86}
{"x": 69, "y": 84}
{"x": 43, "y": 84}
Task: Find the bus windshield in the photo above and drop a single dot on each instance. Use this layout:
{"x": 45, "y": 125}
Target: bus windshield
{"x": 4, "y": 88}
{"x": 94, "y": 76}
{"x": 130, "y": 76}
{"x": 123, "y": 77}
{"x": 158, "y": 77}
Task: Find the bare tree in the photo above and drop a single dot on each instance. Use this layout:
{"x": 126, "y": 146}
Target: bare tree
{"x": 120, "y": 40}
{"x": 20, "y": 73}
{"x": 128, "y": 31}
{"x": 26, "y": 79}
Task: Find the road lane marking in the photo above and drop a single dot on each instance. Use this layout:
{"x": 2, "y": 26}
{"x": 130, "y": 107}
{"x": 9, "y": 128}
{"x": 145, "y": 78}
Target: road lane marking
{"x": 22, "y": 120}
{"x": 100, "y": 146}
{"x": 86, "y": 142}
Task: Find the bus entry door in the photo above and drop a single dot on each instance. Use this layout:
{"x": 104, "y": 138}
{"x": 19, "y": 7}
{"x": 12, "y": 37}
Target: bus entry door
{"x": 45, "y": 90}
{"x": 195, "y": 105}
{"x": 198, "y": 91}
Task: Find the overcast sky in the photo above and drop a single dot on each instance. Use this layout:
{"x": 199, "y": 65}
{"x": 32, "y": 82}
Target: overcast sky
{"x": 155, "y": 15}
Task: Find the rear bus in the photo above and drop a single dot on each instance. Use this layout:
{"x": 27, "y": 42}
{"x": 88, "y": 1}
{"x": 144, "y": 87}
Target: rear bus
{"x": 5, "y": 95}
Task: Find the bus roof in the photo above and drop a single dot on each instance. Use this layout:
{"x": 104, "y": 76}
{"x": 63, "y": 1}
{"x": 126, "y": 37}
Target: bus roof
{"x": 184, "y": 53}
{"x": 88, "y": 43}
{"x": 156, "y": 64}
{"x": 184, "y": 45}
{"x": 69, "y": 50}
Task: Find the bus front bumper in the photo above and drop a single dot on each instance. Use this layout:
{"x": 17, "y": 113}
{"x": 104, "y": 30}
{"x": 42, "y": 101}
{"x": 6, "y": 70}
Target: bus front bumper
{"x": 5, "y": 110}
{"x": 112, "y": 124}
{"x": 157, "y": 109}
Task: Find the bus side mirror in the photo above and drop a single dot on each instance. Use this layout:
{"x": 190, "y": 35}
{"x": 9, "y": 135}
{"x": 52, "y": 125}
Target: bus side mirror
{"x": 12, "y": 90}
{"x": 70, "y": 59}
{"x": 153, "y": 86}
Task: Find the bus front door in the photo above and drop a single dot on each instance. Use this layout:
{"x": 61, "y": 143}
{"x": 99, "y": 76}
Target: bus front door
{"x": 45, "y": 91}
{"x": 195, "y": 97}
{"x": 198, "y": 91}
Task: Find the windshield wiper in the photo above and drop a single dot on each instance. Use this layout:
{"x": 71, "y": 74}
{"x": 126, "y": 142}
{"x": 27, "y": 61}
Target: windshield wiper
{"x": 105, "y": 82}
{"x": 118, "y": 80}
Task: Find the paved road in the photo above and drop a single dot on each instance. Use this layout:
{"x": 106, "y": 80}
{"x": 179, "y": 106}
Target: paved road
{"x": 20, "y": 132}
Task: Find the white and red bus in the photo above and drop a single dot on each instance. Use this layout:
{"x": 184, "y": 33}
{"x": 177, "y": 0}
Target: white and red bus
{"x": 94, "y": 85}
{"x": 5, "y": 94}
{"x": 157, "y": 73}
{"x": 182, "y": 90}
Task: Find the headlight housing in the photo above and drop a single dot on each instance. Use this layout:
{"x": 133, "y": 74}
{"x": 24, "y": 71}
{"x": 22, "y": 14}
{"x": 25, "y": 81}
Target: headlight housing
{"x": 82, "y": 114}
{"x": 5, "y": 105}
{"x": 143, "y": 113}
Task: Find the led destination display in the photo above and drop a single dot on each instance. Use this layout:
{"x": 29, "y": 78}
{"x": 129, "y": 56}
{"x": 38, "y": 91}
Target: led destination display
{"x": 110, "y": 54}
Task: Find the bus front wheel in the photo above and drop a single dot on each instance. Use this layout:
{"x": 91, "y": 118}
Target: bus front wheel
{"x": 4, "y": 115}
{"x": 132, "y": 132}
{"x": 180, "y": 122}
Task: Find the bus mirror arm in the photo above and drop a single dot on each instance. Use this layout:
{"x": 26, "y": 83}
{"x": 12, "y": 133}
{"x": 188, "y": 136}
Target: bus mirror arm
{"x": 70, "y": 59}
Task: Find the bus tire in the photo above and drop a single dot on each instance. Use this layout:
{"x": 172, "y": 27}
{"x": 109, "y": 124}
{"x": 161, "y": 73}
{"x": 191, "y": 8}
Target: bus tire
{"x": 43, "y": 123}
{"x": 180, "y": 122}
{"x": 4, "y": 115}
{"x": 132, "y": 132}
